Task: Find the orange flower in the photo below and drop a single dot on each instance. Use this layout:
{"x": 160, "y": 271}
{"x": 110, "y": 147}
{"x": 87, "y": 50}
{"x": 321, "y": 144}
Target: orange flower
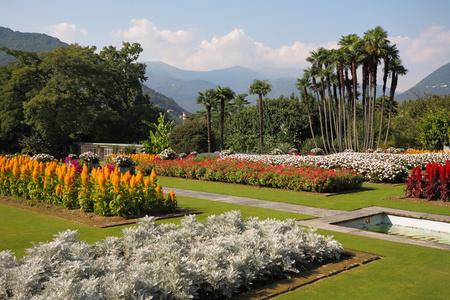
{"x": 57, "y": 190}
{"x": 139, "y": 177}
{"x": 133, "y": 182}
{"x": 85, "y": 177}
{"x": 171, "y": 195}
{"x": 36, "y": 172}
{"x": 68, "y": 179}
{"x": 153, "y": 175}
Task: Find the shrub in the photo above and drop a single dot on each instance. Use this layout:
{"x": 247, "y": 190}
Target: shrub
{"x": 90, "y": 157}
{"x": 123, "y": 161}
{"x": 215, "y": 259}
{"x": 168, "y": 154}
{"x": 190, "y": 136}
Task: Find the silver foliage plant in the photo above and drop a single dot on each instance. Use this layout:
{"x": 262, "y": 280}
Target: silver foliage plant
{"x": 195, "y": 260}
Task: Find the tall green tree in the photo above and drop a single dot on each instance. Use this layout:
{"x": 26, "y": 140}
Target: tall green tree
{"x": 223, "y": 95}
{"x": 73, "y": 94}
{"x": 260, "y": 88}
{"x": 208, "y": 100}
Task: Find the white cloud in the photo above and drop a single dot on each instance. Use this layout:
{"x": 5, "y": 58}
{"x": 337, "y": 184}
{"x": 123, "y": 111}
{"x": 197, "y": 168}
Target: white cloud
{"x": 157, "y": 44}
{"x": 182, "y": 49}
{"x": 423, "y": 54}
{"x": 67, "y": 33}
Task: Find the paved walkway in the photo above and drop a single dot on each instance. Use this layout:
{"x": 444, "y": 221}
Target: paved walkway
{"x": 326, "y": 217}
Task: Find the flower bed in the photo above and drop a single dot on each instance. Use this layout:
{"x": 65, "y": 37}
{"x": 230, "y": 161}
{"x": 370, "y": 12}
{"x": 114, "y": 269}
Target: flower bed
{"x": 257, "y": 173}
{"x": 211, "y": 260}
{"x": 376, "y": 167}
{"x": 432, "y": 184}
{"x": 103, "y": 192}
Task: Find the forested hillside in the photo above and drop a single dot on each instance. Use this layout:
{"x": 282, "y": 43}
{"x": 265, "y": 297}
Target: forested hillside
{"x": 165, "y": 103}
{"x": 438, "y": 83}
{"x": 36, "y": 42}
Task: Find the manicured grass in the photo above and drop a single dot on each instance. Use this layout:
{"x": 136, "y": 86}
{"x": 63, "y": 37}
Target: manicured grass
{"x": 371, "y": 195}
{"x": 404, "y": 272}
{"x": 18, "y": 228}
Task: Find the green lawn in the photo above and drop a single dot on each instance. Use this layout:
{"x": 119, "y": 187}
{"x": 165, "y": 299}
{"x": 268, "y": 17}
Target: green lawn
{"x": 371, "y": 195}
{"x": 404, "y": 272}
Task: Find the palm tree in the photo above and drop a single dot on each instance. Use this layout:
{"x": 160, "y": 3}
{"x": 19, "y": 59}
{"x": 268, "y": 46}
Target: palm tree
{"x": 302, "y": 85}
{"x": 397, "y": 69}
{"x": 207, "y": 99}
{"x": 239, "y": 103}
{"x": 223, "y": 95}
{"x": 375, "y": 41}
{"x": 352, "y": 46}
{"x": 260, "y": 88}
{"x": 311, "y": 73}
{"x": 390, "y": 53}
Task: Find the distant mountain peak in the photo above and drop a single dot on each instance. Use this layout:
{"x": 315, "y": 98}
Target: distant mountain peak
{"x": 438, "y": 82}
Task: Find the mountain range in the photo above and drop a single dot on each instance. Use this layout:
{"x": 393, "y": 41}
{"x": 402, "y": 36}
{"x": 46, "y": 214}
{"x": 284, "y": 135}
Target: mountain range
{"x": 175, "y": 90}
{"x": 183, "y": 85}
{"x": 438, "y": 82}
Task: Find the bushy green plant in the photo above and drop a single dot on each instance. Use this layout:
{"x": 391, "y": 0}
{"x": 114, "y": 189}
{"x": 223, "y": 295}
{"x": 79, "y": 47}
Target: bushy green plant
{"x": 159, "y": 135}
{"x": 191, "y": 135}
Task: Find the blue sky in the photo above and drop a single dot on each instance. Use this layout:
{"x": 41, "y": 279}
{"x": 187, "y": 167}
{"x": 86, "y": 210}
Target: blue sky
{"x": 210, "y": 34}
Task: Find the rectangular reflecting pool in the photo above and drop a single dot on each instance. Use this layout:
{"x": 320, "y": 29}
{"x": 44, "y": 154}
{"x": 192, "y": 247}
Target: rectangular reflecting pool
{"x": 420, "y": 229}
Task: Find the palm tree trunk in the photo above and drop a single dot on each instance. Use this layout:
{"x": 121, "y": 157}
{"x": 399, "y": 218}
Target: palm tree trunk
{"x": 355, "y": 132}
{"x": 309, "y": 115}
{"x": 385, "y": 75}
{"x": 261, "y": 130}
{"x": 391, "y": 100}
{"x": 208, "y": 123}
{"x": 320, "y": 113}
{"x": 222, "y": 121}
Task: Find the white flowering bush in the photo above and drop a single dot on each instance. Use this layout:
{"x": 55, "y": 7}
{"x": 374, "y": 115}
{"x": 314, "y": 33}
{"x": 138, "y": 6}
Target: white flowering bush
{"x": 196, "y": 260}
{"x": 123, "y": 161}
{"x": 42, "y": 157}
{"x": 277, "y": 151}
{"x": 168, "y": 154}
{"x": 90, "y": 157}
{"x": 226, "y": 152}
{"x": 317, "y": 151}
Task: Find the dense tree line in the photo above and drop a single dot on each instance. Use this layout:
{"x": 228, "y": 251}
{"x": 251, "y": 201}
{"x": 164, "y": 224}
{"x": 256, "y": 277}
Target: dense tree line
{"x": 50, "y": 100}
